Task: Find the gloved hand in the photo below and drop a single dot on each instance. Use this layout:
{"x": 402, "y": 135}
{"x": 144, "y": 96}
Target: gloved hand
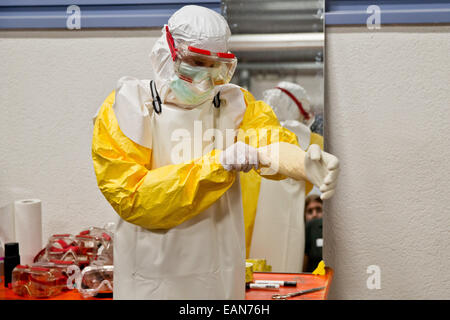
{"x": 240, "y": 157}
{"x": 322, "y": 170}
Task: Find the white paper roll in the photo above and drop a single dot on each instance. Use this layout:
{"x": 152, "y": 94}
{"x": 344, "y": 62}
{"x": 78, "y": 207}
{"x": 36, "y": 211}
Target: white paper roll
{"x": 28, "y": 228}
{"x": 6, "y": 225}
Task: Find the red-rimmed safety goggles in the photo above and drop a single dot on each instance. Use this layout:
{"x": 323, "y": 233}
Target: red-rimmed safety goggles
{"x": 220, "y": 65}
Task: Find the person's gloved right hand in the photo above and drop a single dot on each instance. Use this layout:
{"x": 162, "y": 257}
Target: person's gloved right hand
{"x": 322, "y": 170}
{"x": 240, "y": 157}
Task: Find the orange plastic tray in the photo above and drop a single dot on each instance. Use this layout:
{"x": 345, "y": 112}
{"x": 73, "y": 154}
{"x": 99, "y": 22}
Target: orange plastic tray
{"x": 304, "y": 281}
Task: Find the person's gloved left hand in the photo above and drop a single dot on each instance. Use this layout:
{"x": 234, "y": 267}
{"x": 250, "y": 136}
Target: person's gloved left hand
{"x": 240, "y": 157}
{"x": 322, "y": 170}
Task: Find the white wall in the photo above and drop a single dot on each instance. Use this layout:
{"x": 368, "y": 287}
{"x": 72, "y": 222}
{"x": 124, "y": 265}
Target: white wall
{"x": 51, "y": 84}
{"x": 387, "y": 115}
{"x": 388, "y": 120}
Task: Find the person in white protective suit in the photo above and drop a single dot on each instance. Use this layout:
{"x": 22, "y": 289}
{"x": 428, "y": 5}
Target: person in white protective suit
{"x": 279, "y": 230}
{"x": 166, "y": 154}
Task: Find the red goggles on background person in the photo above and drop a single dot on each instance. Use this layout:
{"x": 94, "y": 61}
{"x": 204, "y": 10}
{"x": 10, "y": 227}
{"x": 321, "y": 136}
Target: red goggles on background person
{"x": 305, "y": 114}
{"x": 220, "y": 65}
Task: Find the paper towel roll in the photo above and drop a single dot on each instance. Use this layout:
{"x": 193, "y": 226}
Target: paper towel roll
{"x": 28, "y": 228}
{"x": 6, "y": 225}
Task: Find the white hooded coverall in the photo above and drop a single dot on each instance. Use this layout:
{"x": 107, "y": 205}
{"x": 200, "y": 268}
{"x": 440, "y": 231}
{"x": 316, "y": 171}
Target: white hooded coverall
{"x": 279, "y": 230}
{"x": 181, "y": 232}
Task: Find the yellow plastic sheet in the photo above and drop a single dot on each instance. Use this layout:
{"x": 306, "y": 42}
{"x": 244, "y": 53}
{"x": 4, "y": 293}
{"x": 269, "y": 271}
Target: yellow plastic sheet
{"x": 248, "y": 272}
{"x": 260, "y": 265}
{"x": 320, "y": 270}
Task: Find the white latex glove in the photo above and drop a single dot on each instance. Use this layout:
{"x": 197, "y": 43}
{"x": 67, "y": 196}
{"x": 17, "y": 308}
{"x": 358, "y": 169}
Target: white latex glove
{"x": 322, "y": 170}
{"x": 240, "y": 157}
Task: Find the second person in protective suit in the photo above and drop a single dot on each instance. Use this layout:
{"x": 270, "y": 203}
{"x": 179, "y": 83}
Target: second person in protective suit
{"x": 275, "y": 230}
{"x": 166, "y": 154}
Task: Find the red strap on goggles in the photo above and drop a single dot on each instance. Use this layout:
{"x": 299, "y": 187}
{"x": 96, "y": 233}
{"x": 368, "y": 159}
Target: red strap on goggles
{"x": 200, "y": 51}
{"x": 225, "y": 55}
{"x": 171, "y": 43}
{"x": 173, "y": 50}
{"x": 298, "y": 103}
{"x": 70, "y": 248}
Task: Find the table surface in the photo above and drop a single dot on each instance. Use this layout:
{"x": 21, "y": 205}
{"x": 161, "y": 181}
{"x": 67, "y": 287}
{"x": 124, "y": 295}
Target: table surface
{"x": 304, "y": 281}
